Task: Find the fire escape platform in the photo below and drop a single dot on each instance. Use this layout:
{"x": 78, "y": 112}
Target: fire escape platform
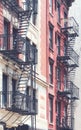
{"x": 70, "y": 27}
{"x": 12, "y": 5}
{"x": 66, "y": 60}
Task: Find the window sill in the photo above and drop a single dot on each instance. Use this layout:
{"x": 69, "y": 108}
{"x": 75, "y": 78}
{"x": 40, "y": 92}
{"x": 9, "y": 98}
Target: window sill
{"x": 51, "y": 123}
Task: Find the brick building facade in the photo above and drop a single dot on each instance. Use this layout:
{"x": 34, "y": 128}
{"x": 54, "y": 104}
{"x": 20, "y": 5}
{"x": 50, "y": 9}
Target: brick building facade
{"x": 37, "y": 93}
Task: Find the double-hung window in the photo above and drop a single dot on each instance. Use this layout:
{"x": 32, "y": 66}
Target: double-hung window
{"x": 58, "y": 12}
{"x": 58, "y": 45}
{"x": 50, "y": 108}
{"x": 4, "y": 90}
{"x": 58, "y": 78}
{"x": 6, "y": 35}
{"x": 50, "y": 36}
{"x": 51, "y": 62}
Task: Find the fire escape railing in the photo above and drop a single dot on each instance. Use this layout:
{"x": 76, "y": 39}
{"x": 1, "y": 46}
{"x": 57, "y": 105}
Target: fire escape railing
{"x": 65, "y": 122}
{"x": 18, "y": 102}
{"x": 71, "y": 58}
{"x": 70, "y": 27}
{"x": 70, "y": 90}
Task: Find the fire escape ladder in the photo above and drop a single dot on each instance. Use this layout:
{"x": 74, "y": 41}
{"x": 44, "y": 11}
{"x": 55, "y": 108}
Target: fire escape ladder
{"x": 70, "y": 114}
{"x": 23, "y": 78}
{"x": 71, "y": 41}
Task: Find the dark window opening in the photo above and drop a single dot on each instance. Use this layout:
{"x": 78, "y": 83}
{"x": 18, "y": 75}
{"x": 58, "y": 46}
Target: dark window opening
{"x": 58, "y": 78}
{"x": 58, "y": 12}
{"x": 55, "y": 4}
{"x": 13, "y": 90}
{"x": 6, "y": 45}
{"x": 58, "y": 113}
{"x": 4, "y": 90}
{"x": 65, "y": 17}
{"x": 51, "y": 62}
{"x": 51, "y": 36}
{"x": 15, "y": 38}
{"x": 65, "y": 48}
{"x": 51, "y": 109}
{"x": 34, "y": 99}
{"x": 58, "y": 45}
{"x": 27, "y": 50}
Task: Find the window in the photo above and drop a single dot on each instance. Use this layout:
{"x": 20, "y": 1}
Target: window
{"x": 65, "y": 48}
{"x": 34, "y": 99}
{"x": 58, "y": 112}
{"x": 34, "y": 18}
{"x": 28, "y": 92}
{"x": 58, "y": 78}
{"x": 65, "y": 21}
{"x": 14, "y": 37}
{"x": 35, "y": 11}
{"x": 55, "y": 4}
{"x": 51, "y": 36}
{"x": 65, "y": 81}
{"x": 51, "y": 71}
{"x": 4, "y": 90}
{"x": 35, "y": 6}
{"x": 50, "y": 6}
{"x": 58, "y": 45}
{"x": 6, "y": 35}
{"x": 58, "y": 12}
{"x": 27, "y": 50}
{"x": 65, "y": 119}
{"x": 50, "y": 108}
{"x": 13, "y": 89}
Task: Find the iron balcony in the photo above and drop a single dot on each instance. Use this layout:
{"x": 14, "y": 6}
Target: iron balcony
{"x": 70, "y": 90}
{"x": 70, "y": 59}
{"x": 64, "y": 123}
{"x": 20, "y": 46}
{"x": 18, "y": 102}
{"x": 70, "y": 27}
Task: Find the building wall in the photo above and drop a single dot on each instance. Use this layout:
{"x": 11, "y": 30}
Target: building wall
{"x": 39, "y": 39}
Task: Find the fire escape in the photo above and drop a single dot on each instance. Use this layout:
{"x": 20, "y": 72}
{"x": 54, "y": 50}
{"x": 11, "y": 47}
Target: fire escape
{"x": 21, "y": 101}
{"x": 69, "y": 61}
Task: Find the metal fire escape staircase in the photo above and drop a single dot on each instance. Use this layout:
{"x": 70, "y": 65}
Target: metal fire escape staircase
{"x": 20, "y": 44}
{"x": 70, "y": 62}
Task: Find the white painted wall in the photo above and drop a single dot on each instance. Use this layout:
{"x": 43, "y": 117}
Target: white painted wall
{"x": 75, "y": 11}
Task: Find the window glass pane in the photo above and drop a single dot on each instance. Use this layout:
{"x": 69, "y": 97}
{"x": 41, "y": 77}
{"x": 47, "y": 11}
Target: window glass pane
{"x": 51, "y": 109}
{"x": 58, "y": 12}
{"x": 51, "y": 36}
{"x": 6, "y": 32}
{"x": 58, "y": 45}
{"x": 50, "y": 71}
{"x": 4, "y": 90}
